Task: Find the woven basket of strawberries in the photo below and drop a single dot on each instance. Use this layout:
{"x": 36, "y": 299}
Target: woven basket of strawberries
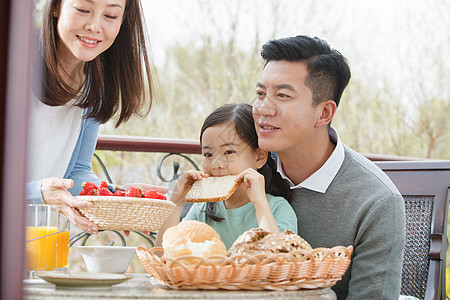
{"x": 115, "y": 208}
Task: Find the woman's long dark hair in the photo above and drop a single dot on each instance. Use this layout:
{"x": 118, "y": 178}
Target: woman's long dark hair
{"x": 116, "y": 79}
{"x": 240, "y": 115}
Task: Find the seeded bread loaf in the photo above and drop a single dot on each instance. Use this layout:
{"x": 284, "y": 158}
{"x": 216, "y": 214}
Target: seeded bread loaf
{"x": 257, "y": 241}
{"x": 212, "y": 189}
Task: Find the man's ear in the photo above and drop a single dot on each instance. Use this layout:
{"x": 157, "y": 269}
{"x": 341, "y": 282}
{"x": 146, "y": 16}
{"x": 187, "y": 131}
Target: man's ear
{"x": 328, "y": 109}
{"x": 261, "y": 158}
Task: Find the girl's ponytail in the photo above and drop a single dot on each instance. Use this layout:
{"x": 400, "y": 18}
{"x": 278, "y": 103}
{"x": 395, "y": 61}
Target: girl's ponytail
{"x": 210, "y": 208}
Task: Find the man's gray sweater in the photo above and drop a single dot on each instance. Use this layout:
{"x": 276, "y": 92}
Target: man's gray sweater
{"x": 362, "y": 208}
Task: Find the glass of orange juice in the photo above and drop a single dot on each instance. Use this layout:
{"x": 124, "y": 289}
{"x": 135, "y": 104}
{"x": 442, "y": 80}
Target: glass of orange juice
{"x": 47, "y": 238}
{"x": 62, "y": 243}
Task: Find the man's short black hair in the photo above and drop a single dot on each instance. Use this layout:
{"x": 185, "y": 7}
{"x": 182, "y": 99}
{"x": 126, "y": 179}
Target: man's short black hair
{"x": 328, "y": 70}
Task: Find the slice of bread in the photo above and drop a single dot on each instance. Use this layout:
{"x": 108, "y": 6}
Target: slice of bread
{"x": 212, "y": 189}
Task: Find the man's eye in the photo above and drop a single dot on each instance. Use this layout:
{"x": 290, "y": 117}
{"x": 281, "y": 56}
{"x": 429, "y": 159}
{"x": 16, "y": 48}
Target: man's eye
{"x": 260, "y": 94}
{"x": 228, "y": 152}
{"x": 283, "y": 96}
{"x": 207, "y": 154}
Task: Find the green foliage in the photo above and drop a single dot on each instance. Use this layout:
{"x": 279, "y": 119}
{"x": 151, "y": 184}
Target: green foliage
{"x": 201, "y": 75}
{"x": 38, "y": 12}
{"x": 205, "y": 76}
{"x": 374, "y": 123}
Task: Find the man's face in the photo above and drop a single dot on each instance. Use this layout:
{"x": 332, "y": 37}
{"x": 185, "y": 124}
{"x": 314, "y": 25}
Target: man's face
{"x": 284, "y": 113}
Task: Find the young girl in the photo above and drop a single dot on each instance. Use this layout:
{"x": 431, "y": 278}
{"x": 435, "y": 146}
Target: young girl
{"x": 230, "y": 147}
{"x": 93, "y": 65}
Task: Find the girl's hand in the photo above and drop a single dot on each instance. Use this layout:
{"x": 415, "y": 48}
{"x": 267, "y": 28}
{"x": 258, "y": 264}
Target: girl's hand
{"x": 55, "y": 191}
{"x": 255, "y": 184}
{"x": 184, "y": 185}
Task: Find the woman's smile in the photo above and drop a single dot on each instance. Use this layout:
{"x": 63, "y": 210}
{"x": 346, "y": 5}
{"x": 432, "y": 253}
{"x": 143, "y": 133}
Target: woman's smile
{"x": 89, "y": 42}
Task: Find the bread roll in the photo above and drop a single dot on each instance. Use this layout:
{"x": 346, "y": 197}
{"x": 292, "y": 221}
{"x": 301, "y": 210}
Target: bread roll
{"x": 212, "y": 189}
{"x": 192, "y": 238}
{"x": 257, "y": 241}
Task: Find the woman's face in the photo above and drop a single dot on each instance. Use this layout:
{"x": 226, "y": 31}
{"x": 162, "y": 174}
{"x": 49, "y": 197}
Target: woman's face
{"x": 87, "y": 28}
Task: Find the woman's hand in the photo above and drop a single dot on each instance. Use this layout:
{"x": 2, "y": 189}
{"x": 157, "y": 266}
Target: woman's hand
{"x": 55, "y": 191}
{"x": 255, "y": 185}
{"x": 184, "y": 185}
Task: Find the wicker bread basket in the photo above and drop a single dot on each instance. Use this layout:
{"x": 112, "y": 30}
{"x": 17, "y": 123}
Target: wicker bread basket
{"x": 127, "y": 213}
{"x": 321, "y": 267}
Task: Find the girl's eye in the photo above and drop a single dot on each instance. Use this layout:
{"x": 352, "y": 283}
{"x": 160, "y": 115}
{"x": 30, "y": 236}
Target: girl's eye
{"x": 82, "y": 10}
{"x": 207, "y": 154}
{"x": 228, "y": 152}
{"x": 111, "y": 17}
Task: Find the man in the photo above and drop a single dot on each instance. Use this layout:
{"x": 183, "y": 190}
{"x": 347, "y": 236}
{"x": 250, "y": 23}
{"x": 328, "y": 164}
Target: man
{"x": 340, "y": 197}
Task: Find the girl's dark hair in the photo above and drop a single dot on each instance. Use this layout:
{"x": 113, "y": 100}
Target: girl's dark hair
{"x": 241, "y": 117}
{"x": 115, "y": 80}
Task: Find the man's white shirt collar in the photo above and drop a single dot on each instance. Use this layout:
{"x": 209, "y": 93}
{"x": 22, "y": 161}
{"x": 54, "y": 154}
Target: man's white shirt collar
{"x": 321, "y": 179}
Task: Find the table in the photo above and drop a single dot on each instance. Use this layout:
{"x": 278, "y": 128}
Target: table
{"x": 141, "y": 286}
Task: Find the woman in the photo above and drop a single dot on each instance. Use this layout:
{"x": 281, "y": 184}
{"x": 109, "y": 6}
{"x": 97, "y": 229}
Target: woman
{"x": 94, "y": 66}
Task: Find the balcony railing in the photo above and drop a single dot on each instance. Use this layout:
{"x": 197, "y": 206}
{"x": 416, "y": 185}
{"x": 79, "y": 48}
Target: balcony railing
{"x": 179, "y": 148}
{"x": 147, "y": 144}
{"x": 185, "y": 146}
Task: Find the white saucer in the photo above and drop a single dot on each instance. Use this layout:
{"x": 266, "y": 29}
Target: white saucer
{"x": 82, "y": 280}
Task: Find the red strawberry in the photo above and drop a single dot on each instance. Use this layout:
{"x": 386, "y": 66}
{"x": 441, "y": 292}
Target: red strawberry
{"x": 104, "y": 192}
{"x": 87, "y": 186}
{"x": 82, "y": 193}
{"x": 119, "y": 193}
{"x": 91, "y": 192}
{"x": 154, "y": 195}
{"x": 103, "y": 184}
{"x": 133, "y": 192}
{"x": 151, "y": 194}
